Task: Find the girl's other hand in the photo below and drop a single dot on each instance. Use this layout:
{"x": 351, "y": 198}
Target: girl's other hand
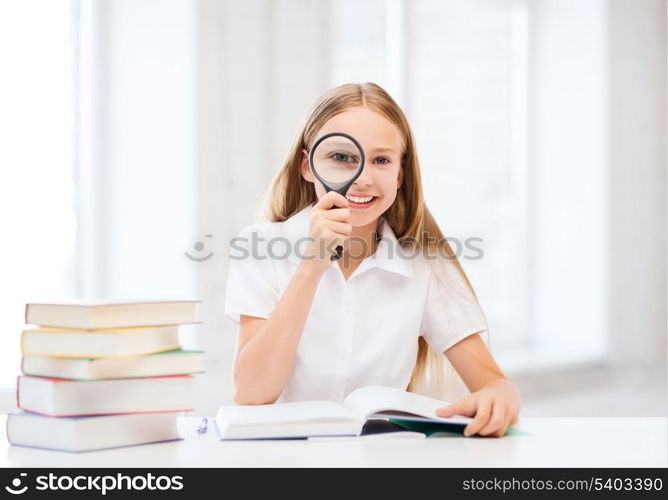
{"x": 495, "y": 409}
{"x": 330, "y": 227}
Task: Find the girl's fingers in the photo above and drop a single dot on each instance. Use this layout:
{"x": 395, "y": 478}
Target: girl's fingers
{"x": 330, "y": 200}
{"x": 338, "y": 222}
{"x": 342, "y": 229}
{"x": 496, "y": 422}
{"x": 465, "y": 406}
{"x": 446, "y": 411}
{"x": 481, "y": 418}
{"x": 490, "y": 418}
{"x": 338, "y": 214}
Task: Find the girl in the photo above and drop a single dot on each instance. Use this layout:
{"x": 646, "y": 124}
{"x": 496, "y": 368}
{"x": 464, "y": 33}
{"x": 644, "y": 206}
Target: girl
{"x": 397, "y": 310}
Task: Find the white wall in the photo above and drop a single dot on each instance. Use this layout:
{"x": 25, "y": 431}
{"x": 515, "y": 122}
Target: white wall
{"x": 568, "y": 173}
{"x": 637, "y": 196}
{"x": 146, "y": 132}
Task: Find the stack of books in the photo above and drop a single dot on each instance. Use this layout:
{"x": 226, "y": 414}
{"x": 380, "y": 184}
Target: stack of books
{"x": 102, "y": 374}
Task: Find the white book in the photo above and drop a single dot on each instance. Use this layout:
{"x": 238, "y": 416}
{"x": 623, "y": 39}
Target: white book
{"x": 104, "y": 313}
{"x": 329, "y": 418}
{"x": 50, "y": 341}
{"x": 90, "y": 433}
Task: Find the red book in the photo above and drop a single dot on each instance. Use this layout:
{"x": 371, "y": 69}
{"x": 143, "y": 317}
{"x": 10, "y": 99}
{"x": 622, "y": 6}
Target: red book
{"x": 64, "y": 398}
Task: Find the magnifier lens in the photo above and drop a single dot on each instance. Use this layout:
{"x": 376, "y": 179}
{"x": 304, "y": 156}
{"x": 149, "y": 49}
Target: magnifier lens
{"x": 336, "y": 159}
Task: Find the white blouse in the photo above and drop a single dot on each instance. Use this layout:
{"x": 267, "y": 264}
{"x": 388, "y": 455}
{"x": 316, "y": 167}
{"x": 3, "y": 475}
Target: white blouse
{"x": 361, "y": 331}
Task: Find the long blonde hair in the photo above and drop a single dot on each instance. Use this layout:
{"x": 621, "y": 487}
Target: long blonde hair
{"x": 409, "y": 217}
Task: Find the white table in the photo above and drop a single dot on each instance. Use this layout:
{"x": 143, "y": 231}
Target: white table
{"x": 553, "y": 442}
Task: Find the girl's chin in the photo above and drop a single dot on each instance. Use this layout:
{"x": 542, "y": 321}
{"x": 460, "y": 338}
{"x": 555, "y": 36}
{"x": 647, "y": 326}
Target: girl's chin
{"x": 359, "y": 220}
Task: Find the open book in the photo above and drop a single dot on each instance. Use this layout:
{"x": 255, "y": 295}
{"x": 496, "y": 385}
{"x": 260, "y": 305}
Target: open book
{"x": 329, "y": 418}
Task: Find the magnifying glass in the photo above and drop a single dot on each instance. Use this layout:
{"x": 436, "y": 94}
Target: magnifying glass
{"x": 336, "y": 160}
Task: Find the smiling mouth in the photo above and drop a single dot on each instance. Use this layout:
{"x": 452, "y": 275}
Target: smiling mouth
{"x": 361, "y": 202}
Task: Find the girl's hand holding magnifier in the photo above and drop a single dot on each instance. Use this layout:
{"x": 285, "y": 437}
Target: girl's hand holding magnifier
{"x": 330, "y": 227}
{"x": 336, "y": 160}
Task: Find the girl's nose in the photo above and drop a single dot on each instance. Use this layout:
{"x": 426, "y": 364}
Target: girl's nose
{"x": 365, "y": 178}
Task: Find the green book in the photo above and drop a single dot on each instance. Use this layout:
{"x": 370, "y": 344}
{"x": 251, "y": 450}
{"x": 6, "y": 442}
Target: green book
{"x": 435, "y": 428}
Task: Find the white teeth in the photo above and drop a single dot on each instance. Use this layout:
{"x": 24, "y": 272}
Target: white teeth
{"x": 357, "y": 199}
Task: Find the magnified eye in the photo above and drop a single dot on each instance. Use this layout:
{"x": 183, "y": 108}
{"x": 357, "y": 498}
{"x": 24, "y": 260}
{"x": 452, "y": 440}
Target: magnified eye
{"x": 344, "y": 157}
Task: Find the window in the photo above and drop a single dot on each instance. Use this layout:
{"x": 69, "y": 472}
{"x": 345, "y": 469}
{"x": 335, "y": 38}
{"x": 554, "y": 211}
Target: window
{"x": 459, "y": 71}
{"x": 37, "y": 192}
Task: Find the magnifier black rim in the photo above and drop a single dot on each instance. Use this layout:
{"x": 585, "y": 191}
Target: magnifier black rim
{"x": 326, "y": 136}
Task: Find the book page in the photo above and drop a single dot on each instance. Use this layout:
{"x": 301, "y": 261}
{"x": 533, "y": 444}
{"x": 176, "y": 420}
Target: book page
{"x": 381, "y": 401}
{"x": 298, "y": 411}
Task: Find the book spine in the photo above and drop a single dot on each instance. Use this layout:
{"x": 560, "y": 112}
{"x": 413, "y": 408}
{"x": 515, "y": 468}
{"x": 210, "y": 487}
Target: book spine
{"x": 18, "y": 378}
{"x": 22, "y": 341}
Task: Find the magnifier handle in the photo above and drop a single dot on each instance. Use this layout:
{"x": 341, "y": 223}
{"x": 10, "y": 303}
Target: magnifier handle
{"x": 338, "y": 254}
{"x": 342, "y": 191}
